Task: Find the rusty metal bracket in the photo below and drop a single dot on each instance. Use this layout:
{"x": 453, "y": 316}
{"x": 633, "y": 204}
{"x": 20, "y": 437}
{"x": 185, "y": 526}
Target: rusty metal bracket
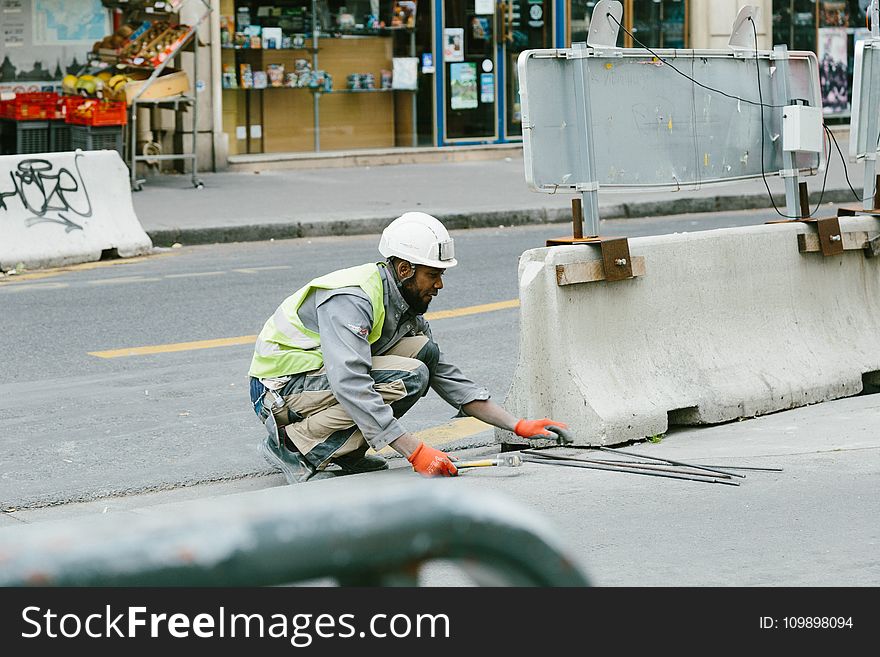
{"x": 848, "y": 211}
{"x": 617, "y": 263}
{"x": 828, "y": 229}
{"x": 830, "y": 239}
{"x": 616, "y": 258}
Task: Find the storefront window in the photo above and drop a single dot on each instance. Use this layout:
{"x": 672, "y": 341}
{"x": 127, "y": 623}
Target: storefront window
{"x": 659, "y": 24}
{"x": 830, "y": 29}
{"x": 325, "y": 75}
{"x": 654, "y": 23}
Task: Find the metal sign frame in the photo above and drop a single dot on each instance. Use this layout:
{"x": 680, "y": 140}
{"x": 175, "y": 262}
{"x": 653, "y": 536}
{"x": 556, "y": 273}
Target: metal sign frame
{"x": 621, "y": 118}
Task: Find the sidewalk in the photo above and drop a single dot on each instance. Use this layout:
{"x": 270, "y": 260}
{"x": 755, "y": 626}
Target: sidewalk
{"x": 810, "y": 521}
{"x": 285, "y": 203}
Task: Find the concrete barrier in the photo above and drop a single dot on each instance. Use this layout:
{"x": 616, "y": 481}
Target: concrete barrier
{"x": 63, "y": 208}
{"x": 723, "y": 324}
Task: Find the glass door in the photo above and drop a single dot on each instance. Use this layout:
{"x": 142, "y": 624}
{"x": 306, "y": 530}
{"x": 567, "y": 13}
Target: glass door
{"x": 525, "y": 25}
{"x": 469, "y": 45}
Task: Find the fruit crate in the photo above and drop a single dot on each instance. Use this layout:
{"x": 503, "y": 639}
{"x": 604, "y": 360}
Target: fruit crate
{"x": 32, "y": 106}
{"x": 23, "y": 137}
{"x": 68, "y": 103}
{"x": 59, "y": 136}
{"x": 94, "y": 112}
{"x": 95, "y": 138}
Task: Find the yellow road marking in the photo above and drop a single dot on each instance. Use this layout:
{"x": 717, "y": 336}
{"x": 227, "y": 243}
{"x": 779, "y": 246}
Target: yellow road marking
{"x": 179, "y": 346}
{"x": 50, "y": 285}
{"x": 83, "y": 266}
{"x": 256, "y": 270}
{"x": 447, "y": 433}
{"x": 125, "y": 279}
{"x": 473, "y": 310}
{"x": 195, "y": 273}
{"x": 247, "y": 339}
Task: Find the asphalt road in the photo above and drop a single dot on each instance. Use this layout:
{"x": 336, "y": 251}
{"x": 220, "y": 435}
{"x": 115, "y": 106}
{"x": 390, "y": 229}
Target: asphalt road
{"x": 75, "y": 426}
{"x": 139, "y": 430}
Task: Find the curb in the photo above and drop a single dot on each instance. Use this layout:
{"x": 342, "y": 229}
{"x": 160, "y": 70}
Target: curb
{"x": 494, "y": 218}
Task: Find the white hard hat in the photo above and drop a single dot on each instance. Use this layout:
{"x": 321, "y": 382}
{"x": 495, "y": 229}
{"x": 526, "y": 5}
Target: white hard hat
{"x": 420, "y": 239}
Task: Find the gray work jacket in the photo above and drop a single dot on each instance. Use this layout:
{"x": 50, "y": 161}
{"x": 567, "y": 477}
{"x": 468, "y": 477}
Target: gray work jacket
{"x": 343, "y": 318}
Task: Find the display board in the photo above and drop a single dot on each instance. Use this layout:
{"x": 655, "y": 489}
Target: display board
{"x": 863, "y": 125}
{"x": 621, "y": 118}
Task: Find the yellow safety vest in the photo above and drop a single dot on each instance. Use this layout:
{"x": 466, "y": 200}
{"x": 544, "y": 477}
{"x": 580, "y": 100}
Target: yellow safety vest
{"x": 285, "y": 346}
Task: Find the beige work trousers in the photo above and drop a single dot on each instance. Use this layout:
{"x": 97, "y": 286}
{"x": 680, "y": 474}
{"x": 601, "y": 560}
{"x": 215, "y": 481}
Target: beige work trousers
{"x": 325, "y": 429}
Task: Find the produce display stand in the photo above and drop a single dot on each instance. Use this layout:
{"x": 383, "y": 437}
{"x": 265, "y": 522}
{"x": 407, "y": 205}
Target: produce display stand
{"x": 179, "y": 104}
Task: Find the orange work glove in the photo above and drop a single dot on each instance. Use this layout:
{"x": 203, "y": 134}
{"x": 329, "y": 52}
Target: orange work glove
{"x": 432, "y": 462}
{"x": 537, "y": 428}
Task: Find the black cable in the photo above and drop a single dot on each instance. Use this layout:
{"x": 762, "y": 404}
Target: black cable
{"x": 696, "y": 82}
{"x": 845, "y": 171}
{"x": 763, "y": 174}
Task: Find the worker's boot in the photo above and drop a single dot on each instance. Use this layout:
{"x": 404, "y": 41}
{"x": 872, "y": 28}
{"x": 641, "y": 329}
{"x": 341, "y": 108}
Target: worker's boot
{"x": 281, "y": 453}
{"x": 360, "y": 461}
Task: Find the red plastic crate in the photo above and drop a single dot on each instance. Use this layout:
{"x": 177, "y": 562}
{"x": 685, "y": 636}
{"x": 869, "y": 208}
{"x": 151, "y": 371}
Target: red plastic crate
{"x": 68, "y": 103}
{"x": 32, "y": 106}
{"x": 92, "y": 111}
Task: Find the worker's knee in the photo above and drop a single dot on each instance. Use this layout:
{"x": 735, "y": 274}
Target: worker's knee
{"x": 429, "y": 355}
{"x": 420, "y": 378}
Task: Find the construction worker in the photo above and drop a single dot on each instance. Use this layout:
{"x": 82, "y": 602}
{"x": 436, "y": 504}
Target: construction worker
{"x": 350, "y": 352}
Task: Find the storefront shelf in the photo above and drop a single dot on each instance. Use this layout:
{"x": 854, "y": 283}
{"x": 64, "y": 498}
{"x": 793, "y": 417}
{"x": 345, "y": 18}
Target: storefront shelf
{"x": 303, "y": 48}
{"x": 317, "y": 90}
{"x": 356, "y": 91}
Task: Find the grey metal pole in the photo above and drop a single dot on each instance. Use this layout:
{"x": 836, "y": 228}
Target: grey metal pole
{"x": 132, "y": 145}
{"x": 789, "y": 171}
{"x": 195, "y": 137}
{"x": 870, "y": 172}
{"x": 589, "y": 188}
{"x": 412, "y": 52}
{"x": 316, "y": 96}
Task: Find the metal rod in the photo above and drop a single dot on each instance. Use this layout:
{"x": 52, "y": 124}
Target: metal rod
{"x": 701, "y": 466}
{"x": 590, "y": 466}
{"x": 657, "y": 458}
{"x": 805, "y": 200}
{"x": 729, "y": 467}
{"x": 625, "y": 464}
{"x": 577, "y": 218}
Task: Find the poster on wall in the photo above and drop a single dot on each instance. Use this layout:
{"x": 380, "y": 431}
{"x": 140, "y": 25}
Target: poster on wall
{"x": 65, "y": 22}
{"x": 463, "y": 85}
{"x": 833, "y": 64}
{"x": 453, "y": 44}
{"x": 42, "y": 40}
{"x": 487, "y": 87}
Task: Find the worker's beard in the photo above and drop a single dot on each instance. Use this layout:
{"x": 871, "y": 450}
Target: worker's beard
{"x": 418, "y": 302}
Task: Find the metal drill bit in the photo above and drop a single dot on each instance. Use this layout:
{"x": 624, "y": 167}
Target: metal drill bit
{"x": 506, "y": 460}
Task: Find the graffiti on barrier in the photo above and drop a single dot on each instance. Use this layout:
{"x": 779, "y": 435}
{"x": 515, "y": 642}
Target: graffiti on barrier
{"x": 49, "y": 193}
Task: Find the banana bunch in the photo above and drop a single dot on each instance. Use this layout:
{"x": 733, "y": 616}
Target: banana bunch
{"x": 103, "y": 84}
{"x": 117, "y": 82}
